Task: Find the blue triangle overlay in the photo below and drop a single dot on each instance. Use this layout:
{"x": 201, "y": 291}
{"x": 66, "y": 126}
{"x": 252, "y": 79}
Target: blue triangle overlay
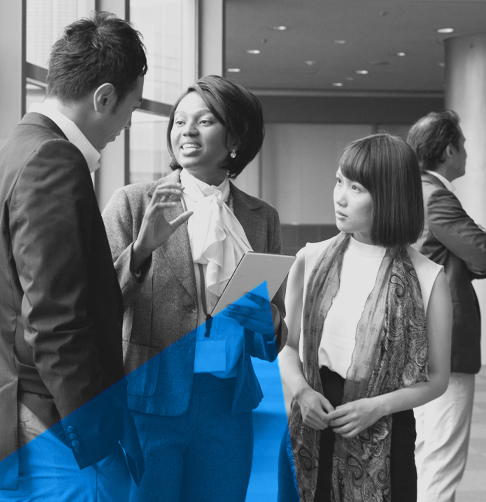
{"x": 270, "y": 422}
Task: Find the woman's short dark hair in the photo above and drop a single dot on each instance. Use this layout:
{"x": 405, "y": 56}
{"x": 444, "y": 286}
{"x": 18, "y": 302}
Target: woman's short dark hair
{"x": 238, "y": 109}
{"x": 387, "y": 167}
{"x": 430, "y": 136}
{"x": 93, "y": 51}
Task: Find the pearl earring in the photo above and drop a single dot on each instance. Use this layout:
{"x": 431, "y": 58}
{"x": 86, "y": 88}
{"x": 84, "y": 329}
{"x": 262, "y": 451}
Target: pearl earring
{"x": 233, "y": 153}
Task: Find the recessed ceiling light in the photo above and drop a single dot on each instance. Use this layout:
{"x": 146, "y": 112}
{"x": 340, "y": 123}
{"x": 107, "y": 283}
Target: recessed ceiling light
{"x": 349, "y": 79}
{"x": 400, "y": 54}
{"x": 340, "y": 41}
{"x": 253, "y": 51}
{"x": 279, "y": 28}
{"x": 442, "y": 65}
{"x": 445, "y": 30}
{"x": 337, "y": 84}
{"x": 362, "y": 72}
{"x": 233, "y": 70}
{"x": 310, "y": 63}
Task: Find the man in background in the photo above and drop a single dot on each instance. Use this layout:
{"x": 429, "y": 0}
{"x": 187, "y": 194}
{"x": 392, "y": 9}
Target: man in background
{"x": 60, "y": 303}
{"x": 452, "y": 239}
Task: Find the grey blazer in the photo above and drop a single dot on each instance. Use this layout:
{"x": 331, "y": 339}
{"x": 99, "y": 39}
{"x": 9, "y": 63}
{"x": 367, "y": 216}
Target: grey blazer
{"x": 452, "y": 239}
{"x": 161, "y": 307}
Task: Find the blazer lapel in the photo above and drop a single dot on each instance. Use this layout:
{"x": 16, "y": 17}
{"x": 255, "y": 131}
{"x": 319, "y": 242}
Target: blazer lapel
{"x": 176, "y": 253}
{"x": 248, "y": 212}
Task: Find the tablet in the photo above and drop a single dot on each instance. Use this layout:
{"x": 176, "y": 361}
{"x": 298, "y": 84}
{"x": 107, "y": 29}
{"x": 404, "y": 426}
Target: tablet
{"x": 252, "y": 270}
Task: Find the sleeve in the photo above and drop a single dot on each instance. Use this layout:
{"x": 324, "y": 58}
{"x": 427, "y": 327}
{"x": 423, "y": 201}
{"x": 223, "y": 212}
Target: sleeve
{"x": 458, "y": 232}
{"x": 51, "y": 218}
{"x": 260, "y": 348}
{"x": 119, "y": 222}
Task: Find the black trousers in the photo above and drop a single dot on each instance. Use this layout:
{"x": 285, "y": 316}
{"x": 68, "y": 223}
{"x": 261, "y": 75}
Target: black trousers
{"x": 403, "y": 473}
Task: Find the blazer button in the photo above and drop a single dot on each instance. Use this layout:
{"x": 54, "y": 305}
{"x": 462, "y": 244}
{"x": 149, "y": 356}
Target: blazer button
{"x": 75, "y": 444}
{"x": 78, "y": 450}
{"x": 71, "y": 429}
{"x": 73, "y": 436}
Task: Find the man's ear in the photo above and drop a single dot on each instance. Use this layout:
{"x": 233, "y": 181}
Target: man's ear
{"x": 449, "y": 151}
{"x": 104, "y": 98}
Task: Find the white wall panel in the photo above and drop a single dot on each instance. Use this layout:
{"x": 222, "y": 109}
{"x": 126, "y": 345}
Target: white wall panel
{"x": 299, "y": 163}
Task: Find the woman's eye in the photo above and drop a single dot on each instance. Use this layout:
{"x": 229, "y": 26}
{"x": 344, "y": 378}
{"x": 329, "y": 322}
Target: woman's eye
{"x": 356, "y": 188}
{"x": 178, "y": 122}
{"x": 338, "y": 181}
{"x": 205, "y": 121}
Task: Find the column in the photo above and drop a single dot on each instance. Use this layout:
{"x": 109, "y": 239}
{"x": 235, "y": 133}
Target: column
{"x": 466, "y": 94}
{"x": 12, "y": 64}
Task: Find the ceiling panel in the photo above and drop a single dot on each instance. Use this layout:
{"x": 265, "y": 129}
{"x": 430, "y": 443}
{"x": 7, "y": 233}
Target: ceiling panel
{"x": 374, "y": 31}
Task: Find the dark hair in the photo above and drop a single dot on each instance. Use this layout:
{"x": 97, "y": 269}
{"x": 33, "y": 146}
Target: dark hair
{"x": 93, "y": 51}
{"x": 238, "y": 109}
{"x": 430, "y": 136}
{"x": 387, "y": 167}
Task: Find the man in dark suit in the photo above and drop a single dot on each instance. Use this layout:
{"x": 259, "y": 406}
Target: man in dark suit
{"x": 452, "y": 239}
{"x": 60, "y": 303}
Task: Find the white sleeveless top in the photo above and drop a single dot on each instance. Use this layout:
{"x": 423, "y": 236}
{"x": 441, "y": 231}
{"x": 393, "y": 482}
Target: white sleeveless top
{"x": 358, "y": 275}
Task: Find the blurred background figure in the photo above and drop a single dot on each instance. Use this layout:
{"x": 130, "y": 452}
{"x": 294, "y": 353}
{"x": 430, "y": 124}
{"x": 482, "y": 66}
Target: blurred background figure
{"x": 450, "y": 238}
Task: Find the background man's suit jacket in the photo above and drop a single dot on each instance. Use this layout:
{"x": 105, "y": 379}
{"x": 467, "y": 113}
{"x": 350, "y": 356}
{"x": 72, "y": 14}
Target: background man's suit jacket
{"x": 452, "y": 239}
{"x": 60, "y": 302}
{"x": 161, "y": 307}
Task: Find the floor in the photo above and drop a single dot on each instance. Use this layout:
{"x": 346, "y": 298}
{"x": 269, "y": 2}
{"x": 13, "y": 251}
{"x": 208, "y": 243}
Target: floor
{"x": 270, "y": 421}
{"x": 473, "y": 485}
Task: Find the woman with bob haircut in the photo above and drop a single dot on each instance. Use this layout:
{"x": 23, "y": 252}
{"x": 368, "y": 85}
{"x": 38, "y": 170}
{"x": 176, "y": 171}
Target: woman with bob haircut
{"x": 369, "y": 335}
{"x": 193, "y": 402}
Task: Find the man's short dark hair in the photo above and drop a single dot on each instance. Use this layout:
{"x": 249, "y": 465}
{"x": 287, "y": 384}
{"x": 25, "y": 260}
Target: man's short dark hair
{"x": 430, "y": 136}
{"x": 238, "y": 109}
{"x": 93, "y": 51}
{"x": 387, "y": 167}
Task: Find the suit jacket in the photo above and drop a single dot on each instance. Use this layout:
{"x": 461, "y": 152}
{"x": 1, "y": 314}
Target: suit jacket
{"x": 161, "y": 308}
{"x": 60, "y": 302}
{"x": 452, "y": 239}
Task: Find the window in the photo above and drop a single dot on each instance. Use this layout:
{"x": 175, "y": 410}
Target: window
{"x": 161, "y": 23}
{"x": 46, "y": 20}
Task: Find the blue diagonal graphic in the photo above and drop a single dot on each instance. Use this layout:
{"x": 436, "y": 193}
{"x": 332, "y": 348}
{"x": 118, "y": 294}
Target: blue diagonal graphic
{"x": 269, "y": 423}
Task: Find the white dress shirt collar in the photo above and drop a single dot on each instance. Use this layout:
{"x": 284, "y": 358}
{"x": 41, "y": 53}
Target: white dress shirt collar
{"x": 71, "y": 131}
{"x": 446, "y": 182}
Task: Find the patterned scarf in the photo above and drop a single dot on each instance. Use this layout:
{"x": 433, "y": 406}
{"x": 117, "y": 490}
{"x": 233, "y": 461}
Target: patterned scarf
{"x": 391, "y": 352}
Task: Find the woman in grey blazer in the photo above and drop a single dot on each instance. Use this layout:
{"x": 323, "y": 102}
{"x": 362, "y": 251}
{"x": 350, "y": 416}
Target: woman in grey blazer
{"x": 192, "y": 389}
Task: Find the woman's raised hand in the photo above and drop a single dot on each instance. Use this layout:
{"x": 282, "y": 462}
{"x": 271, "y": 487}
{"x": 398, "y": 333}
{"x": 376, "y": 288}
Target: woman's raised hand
{"x": 155, "y": 229}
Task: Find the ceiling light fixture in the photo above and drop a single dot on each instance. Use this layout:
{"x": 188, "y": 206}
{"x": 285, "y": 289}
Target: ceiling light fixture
{"x": 445, "y": 30}
{"x": 340, "y": 42}
{"x": 233, "y": 70}
{"x": 310, "y": 63}
{"x": 253, "y": 51}
{"x": 400, "y": 54}
{"x": 280, "y": 28}
{"x": 337, "y": 84}
{"x": 362, "y": 72}
{"x": 349, "y": 79}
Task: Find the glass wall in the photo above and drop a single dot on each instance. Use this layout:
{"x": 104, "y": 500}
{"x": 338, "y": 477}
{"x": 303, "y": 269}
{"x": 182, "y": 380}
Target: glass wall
{"x": 161, "y": 24}
{"x": 45, "y": 20}
{"x": 149, "y": 159}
